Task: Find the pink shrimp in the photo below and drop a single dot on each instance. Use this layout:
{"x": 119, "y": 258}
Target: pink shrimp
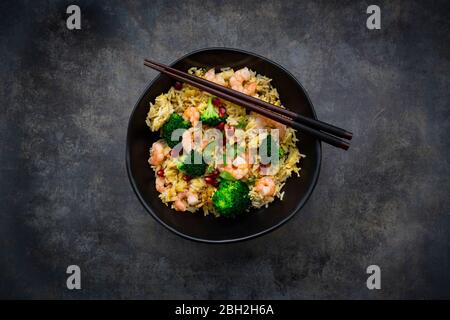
{"x": 184, "y": 200}
{"x": 239, "y": 168}
{"x": 180, "y": 205}
{"x": 250, "y": 88}
{"x": 211, "y": 75}
{"x": 160, "y": 184}
{"x": 265, "y": 186}
{"x": 192, "y": 139}
{"x": 192, "y": 115}
{"x": 157, "y": 154}
{"x": 237, "y": 82}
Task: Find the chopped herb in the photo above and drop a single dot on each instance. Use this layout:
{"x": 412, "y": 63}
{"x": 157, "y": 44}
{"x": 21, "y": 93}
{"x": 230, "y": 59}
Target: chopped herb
{"x": 225, "y": 175}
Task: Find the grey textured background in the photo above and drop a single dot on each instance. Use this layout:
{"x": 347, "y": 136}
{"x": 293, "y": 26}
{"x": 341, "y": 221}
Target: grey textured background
{"x": 65, "y": 196}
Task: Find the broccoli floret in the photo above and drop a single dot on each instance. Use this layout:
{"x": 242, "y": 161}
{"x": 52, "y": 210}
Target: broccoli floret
{"x": 210, "y": 116}
{"x": 281, "y": 152}
{"x": 189, "y": 166}
{"x": 231, "y": 198}
{"x": 175, "y": 122}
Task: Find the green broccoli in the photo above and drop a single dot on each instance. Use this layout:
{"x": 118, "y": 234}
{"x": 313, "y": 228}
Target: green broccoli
{"x": 231, "y": 198}
{"x": 210, "y": 116}
{"x": 175, "y": 122}
{"x": 281, "y": 152}
{"x": 189, "y": 166}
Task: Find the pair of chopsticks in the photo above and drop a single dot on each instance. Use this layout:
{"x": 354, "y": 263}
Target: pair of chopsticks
{"x": 315, "y": 128}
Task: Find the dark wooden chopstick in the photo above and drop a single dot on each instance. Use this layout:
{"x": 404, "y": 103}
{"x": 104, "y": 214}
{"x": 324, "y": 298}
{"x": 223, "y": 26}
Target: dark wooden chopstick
{"x": 316, "y": 124}
{"x": 192, "y": 80}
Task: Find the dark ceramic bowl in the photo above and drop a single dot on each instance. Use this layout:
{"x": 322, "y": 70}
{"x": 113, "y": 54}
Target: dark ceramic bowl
{"x": 195, "y": 226}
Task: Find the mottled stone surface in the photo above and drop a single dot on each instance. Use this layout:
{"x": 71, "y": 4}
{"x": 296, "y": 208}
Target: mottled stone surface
{"x": 65, "y": 196}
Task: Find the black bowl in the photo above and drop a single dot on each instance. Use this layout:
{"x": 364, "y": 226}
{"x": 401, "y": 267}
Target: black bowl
{"x": 195, "y": 226}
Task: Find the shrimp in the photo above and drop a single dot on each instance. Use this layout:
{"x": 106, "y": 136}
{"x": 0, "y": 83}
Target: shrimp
{"x": 192, "y": 199}
{"x": 239, "y": 168}
{"x": 184, "y": 200}
{"x": 211, "y": 75}
{"x": 240, "y": 76}
{"x": 179, "y": 205}
{"x": 157, "y": 154}
{"x": 263, "y": 122}
{"x": 192, "y": 115}
{"x": 191, "y": 139}
{"x": 265, "y": 186}
{"x": 187, "y": 140}
{"x": 250, "y": 88}
{"x": 237, "y": 82}
{"x": 160, "y": 184}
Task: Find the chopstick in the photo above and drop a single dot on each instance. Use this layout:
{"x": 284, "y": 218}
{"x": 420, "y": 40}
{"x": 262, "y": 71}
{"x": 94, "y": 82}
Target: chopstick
{"x": 256, "y": 106}
{"x": 317, "y": 124}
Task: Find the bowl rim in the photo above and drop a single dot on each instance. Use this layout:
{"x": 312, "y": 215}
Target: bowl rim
{"x": 309, "y": 191}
